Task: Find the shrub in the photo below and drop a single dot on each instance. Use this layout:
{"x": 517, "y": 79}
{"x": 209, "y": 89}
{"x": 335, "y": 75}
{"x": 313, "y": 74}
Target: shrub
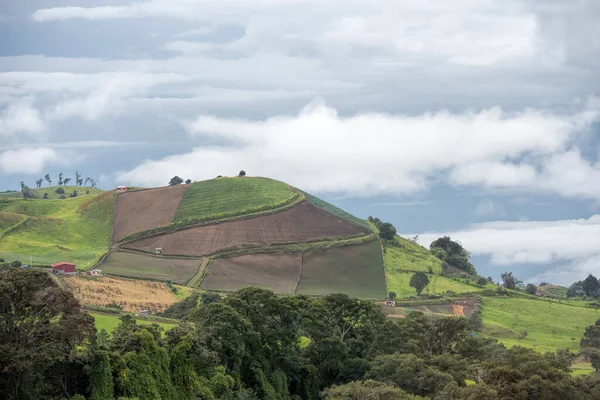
{"x": 59, "y": 190}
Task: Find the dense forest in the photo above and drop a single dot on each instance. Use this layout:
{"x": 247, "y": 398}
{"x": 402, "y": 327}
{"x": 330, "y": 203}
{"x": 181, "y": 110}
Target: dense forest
{"x": 256, "y": 345}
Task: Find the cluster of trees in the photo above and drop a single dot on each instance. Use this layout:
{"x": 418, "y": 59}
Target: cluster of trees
{"x": 589, "y": 287}
{"x": 256, "y": 345}
{"x": 28, "y": 193}
{"x": 387, "y": 231}
{"x": 452, "y": 253}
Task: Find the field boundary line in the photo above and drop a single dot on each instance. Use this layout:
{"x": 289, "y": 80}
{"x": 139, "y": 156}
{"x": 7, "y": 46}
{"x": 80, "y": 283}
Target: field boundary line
{"x": 198, "y": 277}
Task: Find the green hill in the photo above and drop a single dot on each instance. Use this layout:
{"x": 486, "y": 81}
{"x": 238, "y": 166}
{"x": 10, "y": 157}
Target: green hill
{"x": 76, "y": 230}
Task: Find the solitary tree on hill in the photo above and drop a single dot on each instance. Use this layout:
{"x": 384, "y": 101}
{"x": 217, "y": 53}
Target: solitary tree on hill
{"x": 508, "y": 280}
{"x": 188, "y": 181}
{"x": 47, "y": 178}
{"x": 60, "y": 179}
{"x": 175, "y": 181}
{"x": 38, "y": 183}
{"x": 531, "y": 288}
{"x": 242, "y": 173}
{"x": 419, "y": 281}
{"x": 77, "y": 178}
{"x": 66, "y": 181}
{"x": 87, "y": 180}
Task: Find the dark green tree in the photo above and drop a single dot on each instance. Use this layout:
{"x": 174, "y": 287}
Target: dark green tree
{"x": 453, "y": 253}
{"x": 175, "y": 181}
{"x": 78, "y": 180}
{"x": 419, "y": 281}
{"x": 508, "y": 280}
{"x": 47, "y": 178}
{"x": 60, "y": 179}
{"x": 387, "y": 231}
{"x": 66, "y": 181}
{"x": 40, "y": 325}
{"x": 368, "y": 390}
{"x": 531, "y": 288}
{"x": 102, "y": 386}
{"x": 242, "y": 173}
{"x": 188, "y": 181}
{"x": 392, "y": 295}
{"x": 39, "y": 182}
{"x": 591, "y": 287}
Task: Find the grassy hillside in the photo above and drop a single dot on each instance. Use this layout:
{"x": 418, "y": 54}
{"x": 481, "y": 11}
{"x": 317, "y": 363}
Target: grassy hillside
{"x": 338, "y": 212}
{"x": 9, "y": 220}
{"x": 76, "y": 230}
{"x": 553, "y": 291}
{"x": 224, "y": 197}
{"x": 398, "y": 282}
{"x": 405, "y": 255}
{"x": 549, "y": 325}
{"x": 110, "y": 322}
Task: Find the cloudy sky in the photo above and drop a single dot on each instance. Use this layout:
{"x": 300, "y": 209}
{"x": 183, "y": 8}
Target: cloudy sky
{"x": 479, "y": 118}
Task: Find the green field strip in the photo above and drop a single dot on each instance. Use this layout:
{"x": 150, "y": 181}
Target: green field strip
{"x": 196, "y": 280}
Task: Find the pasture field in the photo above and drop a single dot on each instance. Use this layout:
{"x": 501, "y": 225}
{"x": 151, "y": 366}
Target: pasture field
{"x": 355, "y": 270}
{"x": 132, "y": 295}
{"x": 405, "y": 255}
{"x": 145, "y": 209}
{"x": 549, "y": 325}
{"x": 462, "y": 308}
{"x": 52, "y": 195}
{"x": 223, "y": 197}
{"x": 177, "y": 270}
{"x": 301, "y": 223}
{"x": 110, "y": 322}
{"x": 398, "y": 281}
{"x": 77, "y": 230}
{"x": 277, "y": 272}
{"x": 338, "y": 212}
{"x": 8, "y": 220}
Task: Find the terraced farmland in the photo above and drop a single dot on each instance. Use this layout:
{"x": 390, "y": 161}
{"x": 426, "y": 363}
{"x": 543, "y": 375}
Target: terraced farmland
{"x": 301, "y": 223}
{"x": 132, "y": 295}
{"x": 145, "y": 209}
{"x": 355, "y": 270}
{"x": 277, "y": 272}
{"x": 76, "y": 230}
{"x": 338, "y": 212}
{"x": 224, "y": 197}
{"x": 177, "y": 270}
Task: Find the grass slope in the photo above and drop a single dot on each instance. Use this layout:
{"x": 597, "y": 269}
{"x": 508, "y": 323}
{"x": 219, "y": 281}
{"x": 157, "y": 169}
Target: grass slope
{"x": 52, "y": 195}
{"x": 553, "y": 291}
{"x": 76, "y": 230}
{"x": 405, "y": 255}
{"x": 110, "y": 322}
{"x": 224, "y": 197}
{"x": 549, "y": 325}
{"x": 398, "y": 282}
{"x": 8, "y": 220}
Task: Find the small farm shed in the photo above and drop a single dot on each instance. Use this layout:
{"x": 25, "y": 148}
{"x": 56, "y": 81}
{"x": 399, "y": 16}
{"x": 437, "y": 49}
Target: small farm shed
{"x": 122, "y": 188}
{"x": 94, "y": 272}
{"x": 144, "y": 313}
{"x": 389, "y": 303}
{"x": 158, "y": 250}
{"x": 64, "y": 268}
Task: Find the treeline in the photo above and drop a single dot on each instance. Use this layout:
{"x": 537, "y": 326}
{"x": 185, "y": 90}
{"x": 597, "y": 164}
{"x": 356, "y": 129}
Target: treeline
{"x": 588, "y": 288}
{"x": 256, "y": 345}
{"x": 28, "y": 193}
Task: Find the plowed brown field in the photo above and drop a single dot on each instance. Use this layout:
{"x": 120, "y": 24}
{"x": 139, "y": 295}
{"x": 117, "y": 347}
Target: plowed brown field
{"x": 301, "y": 223}
{"x": 145, "y": 209}
{"x": 277, "y": 272}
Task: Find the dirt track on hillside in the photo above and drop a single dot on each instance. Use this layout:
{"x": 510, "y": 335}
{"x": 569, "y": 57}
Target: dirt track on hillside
{"x": 301, "y": 223}
{"x": 277, "y": 272}
{"x": 146, "y": 209}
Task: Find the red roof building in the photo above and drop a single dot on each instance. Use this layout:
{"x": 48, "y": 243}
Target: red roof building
{"x": 64, "y": 268}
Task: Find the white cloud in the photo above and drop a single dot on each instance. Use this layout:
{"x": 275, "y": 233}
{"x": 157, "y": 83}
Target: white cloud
{"x": 185, "y": 47}
{"x": 508, "y": 242}
{"x": 370, "y": 154}
{"x": 574, "y": 243}
{"x": 568, "y": 273}
{"x": 489, "y": 207}
{"x": 20, "y": 117}
{"x": 27, "y": 160}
